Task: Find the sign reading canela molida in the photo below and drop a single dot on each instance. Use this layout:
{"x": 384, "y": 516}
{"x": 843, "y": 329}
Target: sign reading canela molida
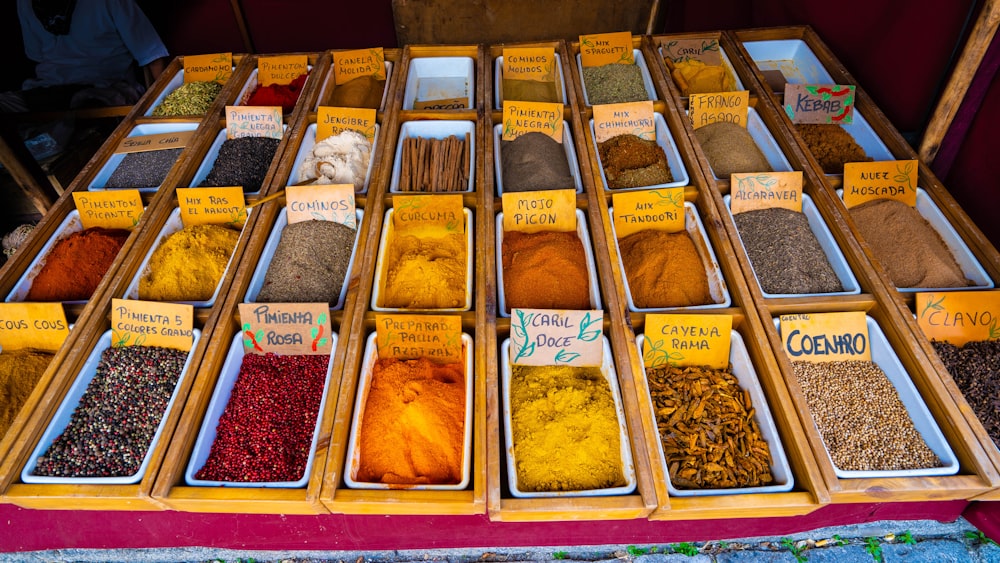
{"x": 959, "y": 317}
{"x": 687, "y": 340}
{"x": 348, "y": 65}
{"x": 286, "y": 328}
{"x": 826, "y": 337}
{"x": 151, "y": 323}
{"x": 661, "y": 210}
{"x": 819, "y": 103}
{"x": 437, "y": 337}
{"x": 890, "y": 179}
{"x": 550, "y": 337}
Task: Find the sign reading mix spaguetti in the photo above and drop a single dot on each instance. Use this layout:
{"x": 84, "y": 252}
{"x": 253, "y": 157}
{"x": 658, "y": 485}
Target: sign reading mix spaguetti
{"x": 548, "y": 337}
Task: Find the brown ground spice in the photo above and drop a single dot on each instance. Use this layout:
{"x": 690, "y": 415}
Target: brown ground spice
{"x": 730, "y": 149}
{"x": 20, "y": 371}
{"x": 664, "y": 270}
{"x": 831, "y": 145}
{"x": 546, "y": 270}
{"x": 631, "y": 162}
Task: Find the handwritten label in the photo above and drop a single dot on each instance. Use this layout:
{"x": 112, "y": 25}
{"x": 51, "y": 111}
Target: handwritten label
{"x": 442, "y": 211}
{"x": 826, "y": 337}
{"x": 687, "y": 340}
{"x": 632, "y": 118}
{"x": 659, "y": 210}
{"x": 532, "y": 212}
{"x": 157, "y": 142}
{"x": 606, "y": 48}
{"x": 348, "y": 65}
{"x": 704, "y": 49}
{"x": 437, "y": 337}
{"x": 286, "y": 328}
{"x": 719, "y": 107}
{"x": 819, "y": 103}
{"x": 766, "y": 189}
{"x": 331, "y": 121}
{"x": 217, "y": 67}
{"x": 282, "y": 69}
{"x": 151, "y": 323}
{"x": 212, "y": 206}
{"x": 526, "y": 117}
{"x": 328, "y": 202}
{"x": 443, "y": 92}
{"x": 442, "y": 103}
{"x": 118, "y": 209}
{"x": 549, "y": 337}
{"x": 32, "y": 325}
{"x": 959, "y": 317}
{"x": 253, "y": 121}
{"x": 529, "y": 63}
{"x": 892, "y": 179}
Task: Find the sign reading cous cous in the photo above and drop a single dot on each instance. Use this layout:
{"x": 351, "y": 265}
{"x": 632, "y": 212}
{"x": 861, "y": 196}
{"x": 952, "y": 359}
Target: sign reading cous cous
{"x": 254, "y": 121}
{"x": 661, "y": 210}
{"x": 762, "y": 190}
{"x": 550, "y": 337}
{"x": 212, "y": 206}
{"x": 532, "y": 212}
{"x": 32, "y": 325}
{"x": 330, "y": 202}
{"x": 819, "y": 103}
{"x": 719, "y": 107}
{"x": 704, "y": 49}
{"x": 959, "y": 317}
{"x": 891, "y": 179}
{"x": 435, "y": 211}
{"x": 117, "y": 209}
{"x": 331, "y": 121}
{"x": 826, "y": 337}
{"x": 527, "y": 117}
{"x": 438, "y": 337}
{"x": 606, "y": 48}
{"x": 687, "y": 340}
{"x": 216, "y": 67}
{"x": 529, "y": 63}
{"x": 151, "y": 323}
{"x": 631, "y": 118}
{"x": 286, "y": 328}
{"x": 348, "y": 65}
{"x": 282, "y": 69}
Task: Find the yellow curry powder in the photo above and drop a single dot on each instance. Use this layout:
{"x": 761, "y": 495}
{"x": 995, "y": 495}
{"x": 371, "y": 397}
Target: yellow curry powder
{"x": 20, "y": 371}
{"x": 188, "y": 265}
{"x": 695, "y": 77}
{"x": 425, "y": 270}
{"x": 565, "y": 429}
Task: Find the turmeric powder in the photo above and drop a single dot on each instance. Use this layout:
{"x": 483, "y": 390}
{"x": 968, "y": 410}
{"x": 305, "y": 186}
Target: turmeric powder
{"x": 424, "y": 271}
{"x": 189, "y": 264}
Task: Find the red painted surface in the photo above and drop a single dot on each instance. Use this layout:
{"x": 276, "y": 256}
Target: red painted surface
{"x": 986, "y": 517}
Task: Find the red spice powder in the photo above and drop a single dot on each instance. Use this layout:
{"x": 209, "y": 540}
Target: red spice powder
{"x": 284, "y": 95}
{"x": 77, "y": 264}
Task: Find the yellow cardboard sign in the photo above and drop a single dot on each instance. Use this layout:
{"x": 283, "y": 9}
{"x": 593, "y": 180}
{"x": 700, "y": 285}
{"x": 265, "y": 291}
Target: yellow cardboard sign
{"x": 660, "y": 210}
{"x": 32, "y": 325}
{"x": 826, "y": 337}
{"x": 328, "y": 202}
{"x": 331, "y": 121}
{"x": 959, "y": 317}
{"x": 151, "y": 323}
{"x": 761, "y": 190}
{"x": 632, "y": 118}
{"x": 719, "y": 107}
{"x": 254, "y": 121}
{"x": 551, "y": 337}
{"x": 529, "y": 63}
{"x": 217, "y": 67}
{"x": 532, "y": 212}
{"x": 819, "y": 103}
{"x": 526, "y": 117}
{"x": 442, "y": 211}
{"x": 118, "y": 209}
{"x": 156, "y": 142}
{"x": 436, "y": 337}
{"x": 212, "y": 206}
{"x": 282, "y": 69}
{"x": 606, "y": 48}
{"x": 348, "y": 65}
{"x": 687, "y": 340}
{"x": 891, "y": 179}
{"x": 704, "y": 49}
{"x": 297, "y": 329}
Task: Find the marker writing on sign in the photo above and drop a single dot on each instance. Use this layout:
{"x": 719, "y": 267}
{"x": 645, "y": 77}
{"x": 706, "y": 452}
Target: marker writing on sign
{"x": 799, "y": 344}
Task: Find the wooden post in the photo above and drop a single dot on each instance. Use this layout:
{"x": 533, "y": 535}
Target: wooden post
{"x": 30, "y": 177}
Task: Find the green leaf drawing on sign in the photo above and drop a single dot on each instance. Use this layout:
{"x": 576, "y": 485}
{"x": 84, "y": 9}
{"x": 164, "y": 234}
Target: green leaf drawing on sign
{"x": 120, "y": 339}
{"x": 139, "y": 340}
{"x": 994, "y": 330}
{"x": 521, "y": 328}
{"x": 321, "y": 318}
{"x": 655, "y": 355}
{"x": 322, "y": 341}
{"x": 525, "y": 351}
{"x": 672, "y": 198}
{"x": 674, "y": 357}
{"x": 452, "y": 225}
{"x": 317, "y": 216}
{"x": 451, "y": 340}
{"x": 585, "y": 334}
{"x": 903, "y": 174}
{"x": 712, "y": 45}
{"x": 586, "y": 42}
{"x": 565, "y": 357}
{"x": 388, "y": 337}
{"x": 313, "y": 332}
{"x": 932, "y": 304}
{"x": 508, "y": 126}
{"x": 625, "y": 58}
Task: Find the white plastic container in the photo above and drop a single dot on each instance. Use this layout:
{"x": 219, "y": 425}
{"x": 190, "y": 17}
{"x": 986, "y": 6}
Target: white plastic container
{"x": 352, "y": 463}
{"x": 498, "y": 81}
{"x": 725, "y": 62}
{"x": 209, "y": 161}
{"x": 792, "y": 57}
{"x": 435, "y": 129}
{"x": 328, "y": 87}
{"x": 306, "y": 148}
{"x": 567, "y": 143}
{"x": 647, "y": 80}
{"x": 666, "y": 142}
{"x": 102, "y": 177}
{"x": 440, "y": 78}
{"x": 765, "y": 141}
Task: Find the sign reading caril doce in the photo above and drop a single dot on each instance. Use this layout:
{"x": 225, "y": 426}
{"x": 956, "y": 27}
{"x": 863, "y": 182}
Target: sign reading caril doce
{"x": 526, "y": 117}
{"x": 889, "y": 179}
{"x": 529, "y": 63}
{"x": 281, "y": 69}
{"x": 151, "y": 323}
{"x": 687, "y": 340}
{"x": 532, "y": 212}
{"x": 550, "y": 337}
{"x": 437, "y": 337}
{"x": 41, "y": 326}
{"x": 719, "y": 107}
{"x": 217, "y": 67}
{"x": 328, "y": 202}
{"x": 762, "y": 190}
{"x": 441, "y": 211}
{"x": 704, "y": 49}
{"x": 331, "y": 121}
{"x": 254, "y": 121}
{"x": 819, "y": 103}
{"x": 156, "y": 142}
{"x": 959, "y": 317}
{"x": 632, "y": 118}
{"x": 660, "y": 210}
{"x": 115, "y": 209}
{"x": 348, "y": 65}
{"x": 606, "y": 48}
{"x": 826, "y": 337}
{"x": 286, "y": 328}
{"x": 212, "y": 206}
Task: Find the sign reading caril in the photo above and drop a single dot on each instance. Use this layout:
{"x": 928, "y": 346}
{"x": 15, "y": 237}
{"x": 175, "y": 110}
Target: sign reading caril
{"x": 281, "y": 69}
{"x": 527, "y": 117}
{"x": 661, "y": 210}
{"x": 329, "y": 202}
{"x": 286, "y": 328}
{"x": 254, "y": 121}
{"x": 819, "y": 103}
{"x": 117, "y": 209}
{"x": 437, "y": 337}
{"x": 549, "y": 337}
{"x": 632, "y": 118}
{"x": 212, "y": 206}
{"x": 704, "y": 49}
{"x": 959, "y": 317}
{"x": 532, "y": 212}
{"x": 151, "y": 323}
{"x": 687, "y": 340}
{"x": 348, "y": 65}
{"x": 606, "y": 48}
{"x": 217, "y": 67}
{"x": 889, "y": 179}
{"x": 762, "y": 190}
{"x": 826, "y": 337}
{"x": 42, "y": 326}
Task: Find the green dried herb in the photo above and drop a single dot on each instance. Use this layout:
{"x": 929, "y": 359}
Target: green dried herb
{"x": 191, "y": 98}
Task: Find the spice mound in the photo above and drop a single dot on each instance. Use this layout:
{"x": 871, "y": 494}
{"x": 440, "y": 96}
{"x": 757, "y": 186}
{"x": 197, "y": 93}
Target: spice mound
{"x": 242, "y": 162}
{"x": 113, "y": 425}
{"x": 614, "y": 84}
{"x": 545, "y": 270}
{"x": 710, "y": 436}
{"x": 188, "y": 265}
{"x": 664, "y": 270}
{"x": 530, "y": 91}
{"x": 695, "y": 77}
{"x": 20, "y": 371}
{"x": 425, "y": 270}
{"x": 309, "y": 264}
{"x": 831, "y": 145}
{"x": 534, "y": 161}
{"x": 76, "y": 264}
{"x": 190, "y": 98}
{"x": 143, "y": 169}
{"x": 361, "y": 92}
{"x": 906, "y": 245}
{"x": 565, "y": 429}
{"x": 338, "y": 159}
{"x": 975, "y": 367}
{"x": 631, "y": 162}
{"x": 858, "y": 412}
{"x": 785, "y": 254}
{"x": 413, "y": 428}
{"x": 284, "y": 95}
{"x": 730, "y": 149}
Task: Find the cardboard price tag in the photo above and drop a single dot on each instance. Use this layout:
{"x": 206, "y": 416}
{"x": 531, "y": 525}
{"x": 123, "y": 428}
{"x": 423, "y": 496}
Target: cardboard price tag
{"x": 151, "y": 323}
{"x": 766, "y": 189}
{"x": 442, "y": 211}
{"x": 254, "y": 121}
{"x": 529, "y": 63}
{"x": 32, "y": 325}
{"x": 606, "y": 48}
{"x": 819, "y": 103}
{"x": 719, "y": 107}
{"x": 892, "y": 179}
{"x": 959, "y": 317}
{"x": 212, "y": 206}
{"x": 532, "y": 212}
{"x": 217, "y": 67}
{"x": 117, "y": 209}
{"x": 331, "y": 121}
{"x": 826, "y": 337}
{"x": 282, "y": 69}
{"x": 436, "y": 337}
{"x": 156, "y": 142}
{"x": 704, "y": 49}
{"x": 526, "y": 117}
{"x": 348, "y": 65}
{"x": 548, "y": 337}
{"x": 687, "y": 340}
{"x": 329, "y": 202}
{"x": 661, "y": 210}
{"x": 632, "y": 118}
{"x": 294, "y": 329}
